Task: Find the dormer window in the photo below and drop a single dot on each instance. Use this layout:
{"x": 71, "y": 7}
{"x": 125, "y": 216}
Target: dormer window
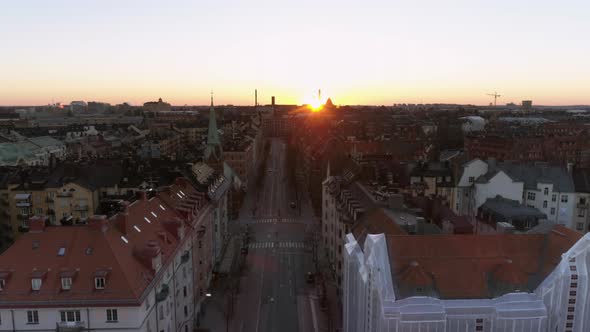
{"x": 36, "y": 284}
{"x": 99, "y": 282}
{"x": 66, "y": 283}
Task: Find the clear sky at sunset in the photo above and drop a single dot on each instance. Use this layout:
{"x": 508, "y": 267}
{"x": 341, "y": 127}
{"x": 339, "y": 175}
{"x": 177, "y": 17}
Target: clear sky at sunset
{"x": 357, "y": 52}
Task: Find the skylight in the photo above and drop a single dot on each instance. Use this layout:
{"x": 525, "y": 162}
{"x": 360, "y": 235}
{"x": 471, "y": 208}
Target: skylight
{"x": 153, "y": 214}
{"x": 183, "y": 194}
{"x": 137, "y": 228}
{"x": 177, "y": 194}
{"x": 162, "y": 207}
{"x": 124, "y": 239}
{"x": 146, "y": 219}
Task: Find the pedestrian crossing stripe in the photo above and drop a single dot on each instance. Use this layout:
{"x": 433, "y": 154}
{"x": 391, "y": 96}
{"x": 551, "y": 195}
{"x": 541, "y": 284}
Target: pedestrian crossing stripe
{"x": 273, "y": 220}
{"x": 269, "y": 245}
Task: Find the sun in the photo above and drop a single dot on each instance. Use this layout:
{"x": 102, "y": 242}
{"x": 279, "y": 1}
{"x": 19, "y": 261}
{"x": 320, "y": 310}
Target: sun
{"x": 316, "y": 105}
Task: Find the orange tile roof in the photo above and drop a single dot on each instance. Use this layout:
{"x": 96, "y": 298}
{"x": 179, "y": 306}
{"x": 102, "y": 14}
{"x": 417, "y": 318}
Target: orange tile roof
{"x": 90, "y": 251}
{"x": 462, "y": 266}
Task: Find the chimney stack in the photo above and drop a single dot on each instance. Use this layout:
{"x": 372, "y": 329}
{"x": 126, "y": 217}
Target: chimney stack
{"x": 99, "y": 223}
{"x": 121, "y": 218}
{"x": 36, "y": 224}
{"x": 141, "y": 195}
{"x": 272, "y": 101}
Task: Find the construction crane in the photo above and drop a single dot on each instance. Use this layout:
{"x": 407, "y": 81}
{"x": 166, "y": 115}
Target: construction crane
{"x": 495, "y": 95}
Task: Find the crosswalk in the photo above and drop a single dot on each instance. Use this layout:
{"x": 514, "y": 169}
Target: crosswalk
{"x": 273, "y": 220}
{"x": 269, "y": 245}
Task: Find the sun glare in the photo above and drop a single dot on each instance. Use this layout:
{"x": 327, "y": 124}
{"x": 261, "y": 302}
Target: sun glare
{"x": 316, "y": 106}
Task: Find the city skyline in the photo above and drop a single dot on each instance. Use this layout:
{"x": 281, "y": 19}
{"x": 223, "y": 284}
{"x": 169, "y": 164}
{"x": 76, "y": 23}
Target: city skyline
{"x": 374, "y": 53}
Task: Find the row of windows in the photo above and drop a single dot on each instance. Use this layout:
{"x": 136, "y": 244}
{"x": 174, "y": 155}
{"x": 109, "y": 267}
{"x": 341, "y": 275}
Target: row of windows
{"x": 66, "y": 283}
{"x": 531, "y": 196}
{"x": 69, "y": 316}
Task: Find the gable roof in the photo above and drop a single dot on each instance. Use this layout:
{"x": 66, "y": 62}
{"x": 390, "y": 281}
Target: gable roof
{"x": 89, "y": 250}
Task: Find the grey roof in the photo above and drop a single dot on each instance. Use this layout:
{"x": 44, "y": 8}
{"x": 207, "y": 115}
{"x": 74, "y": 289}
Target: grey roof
{"x": 581, "y": 177}
{"x": 510, "y": 209}
{"x": 532, "y": 174}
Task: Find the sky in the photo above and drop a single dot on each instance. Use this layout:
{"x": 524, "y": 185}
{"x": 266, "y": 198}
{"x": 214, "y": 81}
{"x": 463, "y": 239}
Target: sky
{"x": 377, "y": 52}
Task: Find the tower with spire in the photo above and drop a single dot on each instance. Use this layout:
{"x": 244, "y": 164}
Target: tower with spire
{"x": 213, "y": 150}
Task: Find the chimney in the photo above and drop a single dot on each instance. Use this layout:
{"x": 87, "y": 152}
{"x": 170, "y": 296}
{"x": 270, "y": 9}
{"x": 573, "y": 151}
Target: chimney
{"x": 272, "y": 101}
{"x": 36, "y": 224}
{"x": 98, "y": 223}
{"x": 141, "y": 195}
{"x": 122, "y": 218}
{"x": 491, "y": 164}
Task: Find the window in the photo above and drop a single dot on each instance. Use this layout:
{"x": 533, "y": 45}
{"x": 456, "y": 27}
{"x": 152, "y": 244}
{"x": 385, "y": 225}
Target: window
{"x": 580, "y": 226}
{"x": 479, "y": 328}
{"x": 574, "y": 285}
{"x": 581, "y": 212}
{"x": 573, "y": 293}
{"x": 185, "y": 311}
{"x": 39, "y": 211}
{"x": 112, "y": 315}
{"x": 569, "y": 324}
{"x": 554, "y": 198}
{"x": 564, "y": 198}
{"x": 546, "y": 191}
{"x": 530, "y": 196}
{"x": 66, "y": 283}
{"x": 571, "y": 309}
{"x": 184, "y": 292}
{"x": 32, "y": 317}
{"x": 574, "y": 277}
{"x": 544, "y": 204}
{"x": 70, "y": 316}
{"x": 2, "y": 284}
{"x": 471, "y": 179}
{"x": 582, "y": 200}
{"x": 161, "y": 309}
{"x": 99, "y": 283}
{"x": 570, "y": 317}
{"x": 36, "y": 283}
{"x": 552, "y": 211}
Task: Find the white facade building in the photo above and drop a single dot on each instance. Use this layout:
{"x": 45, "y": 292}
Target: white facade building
{"x": 377, "y": 298}
{"x": 547, "y": 188}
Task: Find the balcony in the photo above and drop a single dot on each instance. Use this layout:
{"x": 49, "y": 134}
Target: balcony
{"x": 163, "y": 293}
{"x": 23, "y": 204}
{"x": 70, "y": 326}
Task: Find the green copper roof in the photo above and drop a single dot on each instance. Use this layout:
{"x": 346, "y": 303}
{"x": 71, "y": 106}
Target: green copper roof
{"x": 213, "y": 141}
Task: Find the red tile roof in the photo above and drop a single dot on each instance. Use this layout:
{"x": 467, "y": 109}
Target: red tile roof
{"x": 466, "y": 266}
{"x": 91, "y": 250}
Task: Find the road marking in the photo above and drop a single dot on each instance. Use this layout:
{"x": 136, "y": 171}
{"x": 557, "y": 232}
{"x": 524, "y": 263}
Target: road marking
{"x": 266, "y": 245}
{"x": 313, "y": 316}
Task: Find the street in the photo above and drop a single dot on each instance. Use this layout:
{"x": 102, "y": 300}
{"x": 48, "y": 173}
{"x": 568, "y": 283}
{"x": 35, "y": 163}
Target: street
{"x": 274, "y": 294}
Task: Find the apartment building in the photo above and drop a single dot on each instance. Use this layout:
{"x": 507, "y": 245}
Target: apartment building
{"x": 500, "y": 282}
{"x": 128, "y": 272}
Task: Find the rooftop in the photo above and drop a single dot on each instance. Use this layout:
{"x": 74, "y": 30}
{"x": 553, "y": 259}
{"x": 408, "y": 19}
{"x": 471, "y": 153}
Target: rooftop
{"x": 474, "y": 266}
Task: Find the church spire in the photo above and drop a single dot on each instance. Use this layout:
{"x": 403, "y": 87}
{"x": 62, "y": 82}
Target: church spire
{"x": 213, "y": 142}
